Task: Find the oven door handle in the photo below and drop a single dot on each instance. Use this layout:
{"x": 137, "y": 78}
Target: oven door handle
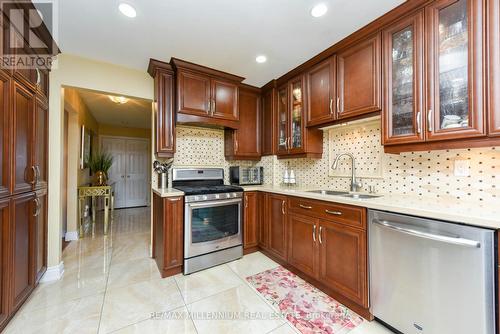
{"x": 215, "y": 203}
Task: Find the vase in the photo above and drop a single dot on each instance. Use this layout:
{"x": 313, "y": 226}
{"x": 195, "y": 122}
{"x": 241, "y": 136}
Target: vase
{"x": 100, "y": 178}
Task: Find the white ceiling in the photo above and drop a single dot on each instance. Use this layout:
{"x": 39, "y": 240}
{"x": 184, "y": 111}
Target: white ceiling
{"x": 136, "y": 113}
{"x": 223, "y": 34}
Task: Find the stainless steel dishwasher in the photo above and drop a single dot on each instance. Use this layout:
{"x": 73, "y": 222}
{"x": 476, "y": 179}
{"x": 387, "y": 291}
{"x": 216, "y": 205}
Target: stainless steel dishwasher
{"x": 431, "y": 277}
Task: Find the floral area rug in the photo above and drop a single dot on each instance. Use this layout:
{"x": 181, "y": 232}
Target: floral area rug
{"x": 306, "y": 307}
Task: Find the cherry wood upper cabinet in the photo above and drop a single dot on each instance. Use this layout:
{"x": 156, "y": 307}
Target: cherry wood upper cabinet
{"x": 343, "y": 260}
{"x": 205, "y": 96}
{"x": 403, "y": 55}
{"x": 277, "y": 220}
{"x": 251, "y": 220}
{"x": 268, "y": 126}
{"x": 4, "y": 260}
{"x": 320, "y": 82}
{"x": 455, "y": 70}
{"x": 359, "y": 79}
{"x": 225, "y": 100}
{"x": 24, "y": 172}
{"x": 494, "y": 66}
{"x": 23, "y": 246}
{"x": 282, "y": 120}
{"x": 5, "y": 134}
{"x": 40, "y": 160}
{"x": 245, "y": 142}
{"x": 303, "y": 243}
{"x": 164, "y": 117}
{"x": 194, "y": 94}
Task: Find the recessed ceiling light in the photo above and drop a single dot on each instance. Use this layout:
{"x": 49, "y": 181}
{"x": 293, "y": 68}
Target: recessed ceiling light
{"x": 319, "y": 10}
{"x": 261, "y": 59}
{"x": 127, "y": 10}
{"x": 118, "y": 99}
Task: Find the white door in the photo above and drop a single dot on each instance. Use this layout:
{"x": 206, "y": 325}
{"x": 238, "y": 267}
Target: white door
{"x": 130, "y": 170}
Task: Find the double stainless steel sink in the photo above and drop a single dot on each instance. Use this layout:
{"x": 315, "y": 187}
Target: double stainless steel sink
{"x": 344, "y": 194}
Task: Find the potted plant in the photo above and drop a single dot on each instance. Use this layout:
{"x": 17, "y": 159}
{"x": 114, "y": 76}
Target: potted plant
{"x": 99, "y": 164}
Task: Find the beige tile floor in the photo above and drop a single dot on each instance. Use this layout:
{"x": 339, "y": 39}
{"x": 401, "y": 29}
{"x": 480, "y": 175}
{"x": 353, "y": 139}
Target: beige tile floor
{"x": 110, "y": 285}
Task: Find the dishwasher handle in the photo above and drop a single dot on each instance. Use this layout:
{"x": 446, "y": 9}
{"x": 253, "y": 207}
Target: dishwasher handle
{"x": 436, "y": 237}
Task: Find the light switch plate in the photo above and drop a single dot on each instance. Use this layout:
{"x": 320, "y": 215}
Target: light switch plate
{"x": 462, "y": 168}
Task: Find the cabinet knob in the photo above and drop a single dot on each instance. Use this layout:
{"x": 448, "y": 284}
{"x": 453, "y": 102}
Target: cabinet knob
{"x": 314, "y": 233}
{"x": 319, "y": 235}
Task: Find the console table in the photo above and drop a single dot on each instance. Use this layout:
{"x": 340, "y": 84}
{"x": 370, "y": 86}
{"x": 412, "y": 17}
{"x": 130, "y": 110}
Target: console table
{"x": 107, "y": 192}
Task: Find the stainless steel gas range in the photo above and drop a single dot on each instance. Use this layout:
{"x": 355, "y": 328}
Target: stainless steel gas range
{"x": 212, "y": 218}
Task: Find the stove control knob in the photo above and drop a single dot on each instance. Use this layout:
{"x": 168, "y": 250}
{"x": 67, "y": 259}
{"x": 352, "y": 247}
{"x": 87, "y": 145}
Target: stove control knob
{"x": 196, "y": 198}
{"x": 204, "y": 197}
{"x": 228, "y": 195}
{"x": 217, "y": 196}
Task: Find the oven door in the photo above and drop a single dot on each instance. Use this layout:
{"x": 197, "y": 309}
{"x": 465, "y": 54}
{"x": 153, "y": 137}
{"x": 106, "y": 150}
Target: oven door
{"x": 211, "y": 226}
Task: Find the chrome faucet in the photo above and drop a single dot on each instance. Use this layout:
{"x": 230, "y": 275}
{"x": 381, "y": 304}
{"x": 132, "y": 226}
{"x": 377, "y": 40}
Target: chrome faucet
{"x": 355, "y": 185}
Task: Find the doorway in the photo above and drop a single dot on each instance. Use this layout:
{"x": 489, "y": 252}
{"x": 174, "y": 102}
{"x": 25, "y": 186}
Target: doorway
{"x": 130, "y": 172}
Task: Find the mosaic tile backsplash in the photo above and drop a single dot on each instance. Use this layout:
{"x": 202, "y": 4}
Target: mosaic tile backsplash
{"x": 429, "y": 174}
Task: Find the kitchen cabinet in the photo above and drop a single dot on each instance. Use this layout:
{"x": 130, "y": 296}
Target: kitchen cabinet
{"x": 206, "y": 96}
{"x": 359, "y": 78}
{"x": 303, "y": 243}
{"x": 4, "y": 260}
{"x": 294, "y": 139}
{"x": 277, "y": 220}
{"x": 455, "y": 95}
{"x": 168, "y": 234}
{"x": 320, "y": 80}
{"x": 40, "y": 231}
{"x": 5, "y": 135}
{"x": 164, "y": 118}
{"x": 264, "y": 222}
{"x": 251, "y": 220}
{"x": 403, "y": 57}
{"x": 494, "y": 67}
{"x": 22, "y": 281}
{"x": 343, "y": 260}
{"x": 23, "y": 107}
{"x": 40, "y": 160}
{"x": 268, "y": 124}
{"x": 245, "y": 142}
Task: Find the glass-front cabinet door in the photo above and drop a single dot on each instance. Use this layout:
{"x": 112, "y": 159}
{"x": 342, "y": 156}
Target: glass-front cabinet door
{"x": 282, "y": 120}
{"x": 403, "y": 85}
{"x": 296, "y": 114}
{"x": 455, "y": 85}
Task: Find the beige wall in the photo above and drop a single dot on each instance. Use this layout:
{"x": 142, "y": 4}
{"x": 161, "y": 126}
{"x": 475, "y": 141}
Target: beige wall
{"x": 73, "y": 71}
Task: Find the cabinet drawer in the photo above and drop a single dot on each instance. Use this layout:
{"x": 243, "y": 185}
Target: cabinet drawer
{"x": 341, "y": 213}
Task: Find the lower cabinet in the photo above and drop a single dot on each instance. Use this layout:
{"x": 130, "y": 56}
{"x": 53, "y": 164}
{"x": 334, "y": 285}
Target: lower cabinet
{"x": 168, "y": 234}
{"x": 343, "y": 260}
{"x": 4, "y": 261}
{"x": 277, "y": 220}
{"x": 22, "y": 281}
{"x": 251, "y": 221}
{"x": 302, "y": 243}
{"x": 40, "y": 230}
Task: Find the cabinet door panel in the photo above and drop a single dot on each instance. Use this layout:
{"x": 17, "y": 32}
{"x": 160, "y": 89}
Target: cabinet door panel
{"x": 302, "y": 243}
{"x": 277, "y": 225}
{"x": 297, "y": 126}
{"x": 251, "y": 220}
{"x": 193, "y": 94}
{"x": 41, "y": 143}
{"x": 455, "y": 67}
{"x": 282, "y": 113}
{"x": 247, "y": 137}
{"x": 4, "y": 260}
{"x": 23, "y": 255}
{"x": 23, "y": 108}
{"x": 403, "y": 48}
{"x": 164, "y": 114}
{"x": 343, "y": 261}
{"x": 173, "y": 227}
{"x": 358, "y": 78}
{"x": 5, "y": 134}
{"x": 321, "y": 93}
{"x": 40, "y": 234}
{"x": 268, "y": 126}
{"x": 264, "y": 222}
{"x": 225, "y": 97}
{"x": 494, "y": 70}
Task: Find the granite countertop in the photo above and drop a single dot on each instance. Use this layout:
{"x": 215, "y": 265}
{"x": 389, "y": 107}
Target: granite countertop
{"x": 169, "y": 192}
{"x": 454, "y": 210}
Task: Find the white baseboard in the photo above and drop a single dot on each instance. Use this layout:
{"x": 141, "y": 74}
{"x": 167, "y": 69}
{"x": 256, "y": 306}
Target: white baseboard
{"x": 54, "y": 273}
{"x": 71, "y": 236}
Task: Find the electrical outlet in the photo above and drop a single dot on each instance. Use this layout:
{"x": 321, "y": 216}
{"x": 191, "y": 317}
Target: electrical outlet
{"x": 462, "y": 168}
